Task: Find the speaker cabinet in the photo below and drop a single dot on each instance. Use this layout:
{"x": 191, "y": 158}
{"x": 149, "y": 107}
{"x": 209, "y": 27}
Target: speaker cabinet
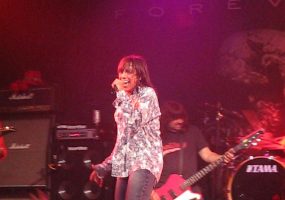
{"x": 26, "y": 163}
{"x": 72, "y": 167}
{"x": 23, "y": 194}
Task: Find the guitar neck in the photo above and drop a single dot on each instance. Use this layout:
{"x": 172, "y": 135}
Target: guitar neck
{"x": 180, "y": 185}
{"x": 204, "y": 171}
{"x": 201, "y": 173}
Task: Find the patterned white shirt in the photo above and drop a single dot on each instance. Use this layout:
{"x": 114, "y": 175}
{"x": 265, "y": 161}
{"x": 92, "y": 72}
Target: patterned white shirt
{"x": 138, "y": 144}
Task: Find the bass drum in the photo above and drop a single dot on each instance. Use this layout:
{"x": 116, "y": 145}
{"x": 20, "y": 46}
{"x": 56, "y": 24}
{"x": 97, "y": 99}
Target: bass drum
{"x": 258, "y": 178}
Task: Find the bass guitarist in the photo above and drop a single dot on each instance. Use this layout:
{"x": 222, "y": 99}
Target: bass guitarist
{"x": 182, "y": 143}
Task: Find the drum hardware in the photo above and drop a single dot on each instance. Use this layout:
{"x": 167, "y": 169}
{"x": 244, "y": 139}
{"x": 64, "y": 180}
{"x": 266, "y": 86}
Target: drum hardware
{"x": 223, "y": 126}
{"x": 224, "y": 129}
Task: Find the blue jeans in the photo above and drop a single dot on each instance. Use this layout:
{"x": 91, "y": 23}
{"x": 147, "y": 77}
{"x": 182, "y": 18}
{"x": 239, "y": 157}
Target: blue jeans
{"x": 137, "y": 186}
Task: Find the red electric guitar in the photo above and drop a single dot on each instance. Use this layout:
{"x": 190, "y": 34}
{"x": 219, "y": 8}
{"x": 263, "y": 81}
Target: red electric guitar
{"x": 176, "y": 188}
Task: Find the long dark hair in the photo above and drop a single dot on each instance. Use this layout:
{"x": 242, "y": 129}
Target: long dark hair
{"x": 140, "y": 66}
{"x": 171, "y": 110}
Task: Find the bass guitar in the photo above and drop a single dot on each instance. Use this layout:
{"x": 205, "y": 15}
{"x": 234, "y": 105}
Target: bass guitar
{"x": 176, "y": 188}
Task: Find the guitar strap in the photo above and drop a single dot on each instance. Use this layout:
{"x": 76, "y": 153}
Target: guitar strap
{"x": 181, "y": 154}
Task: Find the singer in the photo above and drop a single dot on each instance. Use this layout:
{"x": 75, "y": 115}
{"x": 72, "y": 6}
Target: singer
{"x": 136, "y": 160}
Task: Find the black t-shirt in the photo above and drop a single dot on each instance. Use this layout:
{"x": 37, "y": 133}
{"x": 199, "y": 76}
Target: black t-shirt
{"x": 191, "y": 141}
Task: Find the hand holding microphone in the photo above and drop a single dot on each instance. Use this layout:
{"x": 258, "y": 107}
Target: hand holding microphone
{"x": 119, "y": 84}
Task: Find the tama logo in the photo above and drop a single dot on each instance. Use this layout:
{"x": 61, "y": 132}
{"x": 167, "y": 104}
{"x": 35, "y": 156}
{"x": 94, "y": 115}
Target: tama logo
{"x": 262, "y": 169}
{"x": 16, "y": 146}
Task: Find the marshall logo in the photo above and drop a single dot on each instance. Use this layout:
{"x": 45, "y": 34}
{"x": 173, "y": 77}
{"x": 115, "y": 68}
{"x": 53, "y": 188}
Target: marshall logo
{"x": 261, "y": 169}
{"x": 15, "y": 146}
{"x": 22, "y": 96}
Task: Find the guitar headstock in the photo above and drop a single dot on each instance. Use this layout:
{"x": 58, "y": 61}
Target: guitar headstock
{"x": 7, "y": 129}
{"x": 249, "y": 140}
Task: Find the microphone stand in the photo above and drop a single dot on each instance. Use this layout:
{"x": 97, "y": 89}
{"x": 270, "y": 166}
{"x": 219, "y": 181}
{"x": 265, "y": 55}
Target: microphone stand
{"x": 217, "y": 178}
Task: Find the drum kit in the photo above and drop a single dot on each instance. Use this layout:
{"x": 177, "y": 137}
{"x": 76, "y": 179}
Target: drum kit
{"x": 257, "y": 178}
{"x": 257, "y": 173}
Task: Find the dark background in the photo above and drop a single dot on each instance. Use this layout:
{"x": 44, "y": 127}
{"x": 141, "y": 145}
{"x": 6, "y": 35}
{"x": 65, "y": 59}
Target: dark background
{"x": 77, "y": 44}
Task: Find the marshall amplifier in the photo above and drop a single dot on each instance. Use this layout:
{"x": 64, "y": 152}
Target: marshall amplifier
{"x": 26, "y": 162}
{"x": 76, "y": 134}
{"x": 34, "y": 100}
{"x": 71, "y": 167}
{"x": 75, "y": 149}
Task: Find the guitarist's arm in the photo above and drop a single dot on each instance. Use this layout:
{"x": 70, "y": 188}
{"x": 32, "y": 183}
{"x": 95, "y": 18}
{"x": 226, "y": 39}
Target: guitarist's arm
{"x": 209, "y": 156}
{"x": 3, "y": 149}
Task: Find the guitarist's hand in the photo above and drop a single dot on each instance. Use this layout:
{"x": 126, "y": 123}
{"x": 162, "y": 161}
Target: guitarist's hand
{"x": 1, "y": 152}
{"x": 3, "y": 149}
{"x": 229, "y": 156}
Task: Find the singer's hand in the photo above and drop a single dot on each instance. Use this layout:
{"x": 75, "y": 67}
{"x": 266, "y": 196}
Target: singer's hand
{"x": 117, "y": 84}
{"x": 154, "y": 196}
{"x": 94, "y": 177}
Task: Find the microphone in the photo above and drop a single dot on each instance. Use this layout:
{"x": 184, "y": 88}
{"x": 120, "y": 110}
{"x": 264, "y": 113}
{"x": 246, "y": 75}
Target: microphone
{"x": 96, "y": 117}
{"x": 115, "y": 87}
